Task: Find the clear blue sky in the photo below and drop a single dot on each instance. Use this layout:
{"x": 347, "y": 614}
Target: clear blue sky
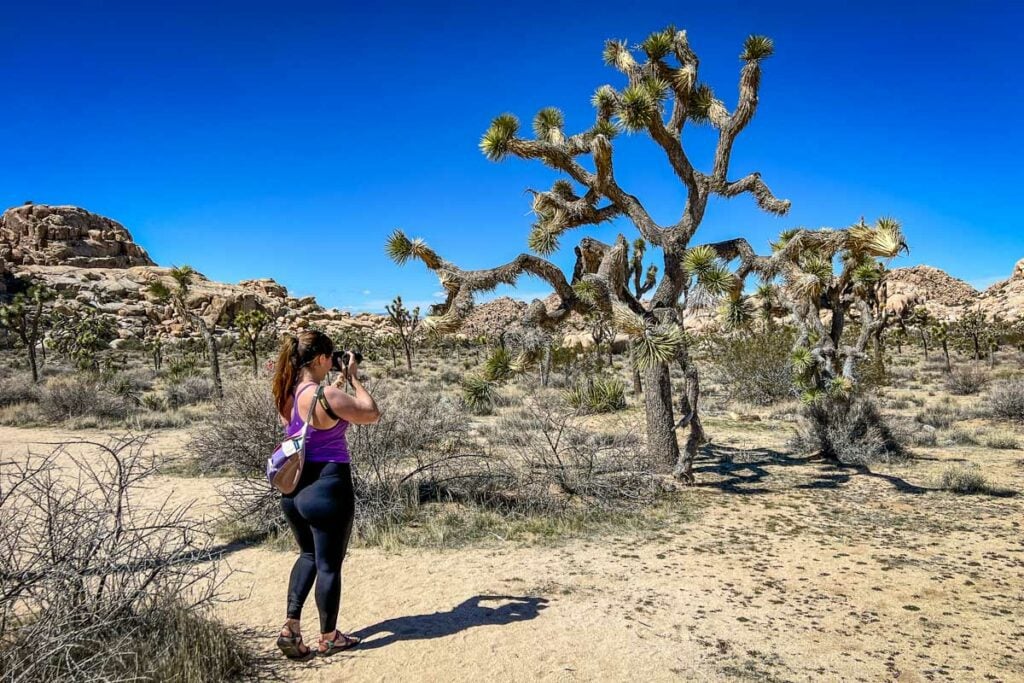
{"x": 286, "y": 140}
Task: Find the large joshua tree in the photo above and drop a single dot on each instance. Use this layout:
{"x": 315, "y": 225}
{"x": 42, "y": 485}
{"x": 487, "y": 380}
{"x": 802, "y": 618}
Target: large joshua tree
{"x": 662, "y": 94}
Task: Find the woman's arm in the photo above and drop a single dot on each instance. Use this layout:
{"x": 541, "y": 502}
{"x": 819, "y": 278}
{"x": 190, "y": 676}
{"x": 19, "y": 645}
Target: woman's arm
{"x": 359, "y": 409}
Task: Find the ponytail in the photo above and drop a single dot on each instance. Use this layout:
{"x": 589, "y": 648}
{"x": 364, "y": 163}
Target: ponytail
{"x": 296, "y": 353}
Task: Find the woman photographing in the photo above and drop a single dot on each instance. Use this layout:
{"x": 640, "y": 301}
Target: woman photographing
{"x": 321, "y": 508}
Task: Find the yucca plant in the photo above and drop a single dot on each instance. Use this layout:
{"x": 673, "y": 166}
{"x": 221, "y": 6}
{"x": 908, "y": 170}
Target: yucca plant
{"x": 478, "y": 394}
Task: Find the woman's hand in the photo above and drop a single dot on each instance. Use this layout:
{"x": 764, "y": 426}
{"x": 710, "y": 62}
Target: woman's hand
{"x": 352, "y": 369}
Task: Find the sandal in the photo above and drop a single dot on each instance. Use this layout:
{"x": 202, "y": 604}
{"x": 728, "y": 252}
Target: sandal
{"x": 332, "y": 646}
{"x": 292, "y": 645}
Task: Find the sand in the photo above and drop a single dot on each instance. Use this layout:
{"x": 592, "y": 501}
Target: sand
{"x": 789, "y": 570}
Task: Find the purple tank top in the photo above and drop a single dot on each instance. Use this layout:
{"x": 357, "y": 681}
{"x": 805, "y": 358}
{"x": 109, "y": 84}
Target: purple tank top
{"x": 322, "y": 445}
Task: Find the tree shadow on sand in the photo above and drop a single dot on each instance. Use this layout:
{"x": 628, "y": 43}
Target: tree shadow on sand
{"x": 745, "y": 471}
{"x": 465, "y": 615}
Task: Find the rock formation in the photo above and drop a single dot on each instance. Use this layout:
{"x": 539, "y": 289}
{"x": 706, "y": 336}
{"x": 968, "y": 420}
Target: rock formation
{"x": 942, "y": 294}
{"x": 37, "y": 234}
{"x": 1006, "y": 298}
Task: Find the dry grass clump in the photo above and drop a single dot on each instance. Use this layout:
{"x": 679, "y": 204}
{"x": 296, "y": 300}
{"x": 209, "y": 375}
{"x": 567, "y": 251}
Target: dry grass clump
{"x": 966, "y": 380}
{"x": 1002, "y": 440}
{"x": 18, "y": 388}
{"x": 1006, "y": 400}
{"x": 969, "y": 480}
{"x": 96, "y": 587}
{"x": 190, "y": 390}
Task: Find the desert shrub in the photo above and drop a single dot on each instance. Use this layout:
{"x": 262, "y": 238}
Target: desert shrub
{"x": 966, "y": 380}
{"x": 754, "y": 367}
{"x": 450, "y": 377}
{"x": 1002, "y": 441}
{"x": 406, "y": 456}
{"x": 154, "y": 402}
{"x": 98, "y": 588}
{"x": 850, "y": 430}
{"x": 598, "y": 395}
{"x": 478, "y": 394}
{"x": 189, "y": 391}
{"x": 959, "y": 436}
{"x": 961, "y": 479}
{"x": 69, "y": 396}
{"x": 1006, "y": 400}
{"x": 18, "y": 389}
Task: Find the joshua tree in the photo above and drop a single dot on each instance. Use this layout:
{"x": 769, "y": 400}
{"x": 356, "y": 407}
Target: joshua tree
{"x": 940, "y": 333}
{"x": 251, "y": 325}
{"x": 805, "y": 261}
{"x": 922, "y": 321}
{"x": 177, "y": 298}
{"x": 406, "y": 323}
{"x": 24, "y": 316}
{"x": 661, "y": 96}
{"x": 80, "y": 336}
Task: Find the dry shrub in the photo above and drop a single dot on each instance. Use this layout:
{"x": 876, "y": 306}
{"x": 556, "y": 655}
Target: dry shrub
{"x": 190, "y": 390}
{"x": 966, "y": 380}
{"x": 16, "y": 389}
{"x": 850, "y": 430}
{"x": 1006, "y": 400}
{"x": 69, "y": 396}
{"x": 95, "y": 586}
{"x": 968, "y": 480}
{"x": 754, "y": 367}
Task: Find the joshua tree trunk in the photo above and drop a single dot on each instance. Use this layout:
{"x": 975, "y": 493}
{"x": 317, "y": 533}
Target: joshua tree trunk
{"x": 924, "y": 342}
{"x": 945, "y": 352}
{"x": 661, "y": 426}
{"x": 211, "y": 349}
{"x": 32, "y": 361}
{"x": 408, "y": 357}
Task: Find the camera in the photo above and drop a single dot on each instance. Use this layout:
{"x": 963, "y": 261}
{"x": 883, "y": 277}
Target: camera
{"x": 340, "y": 359}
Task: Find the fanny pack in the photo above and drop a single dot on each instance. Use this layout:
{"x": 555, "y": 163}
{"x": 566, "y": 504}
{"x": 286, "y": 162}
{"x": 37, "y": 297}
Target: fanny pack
{"x": 284, "y": 466}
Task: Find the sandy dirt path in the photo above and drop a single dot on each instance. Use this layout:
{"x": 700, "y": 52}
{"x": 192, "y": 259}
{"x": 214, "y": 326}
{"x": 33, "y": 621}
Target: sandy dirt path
{"x": 789, "y": 570}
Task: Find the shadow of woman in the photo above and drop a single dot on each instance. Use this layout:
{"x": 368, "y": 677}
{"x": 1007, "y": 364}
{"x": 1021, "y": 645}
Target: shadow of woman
{"x": 465, "y": 615}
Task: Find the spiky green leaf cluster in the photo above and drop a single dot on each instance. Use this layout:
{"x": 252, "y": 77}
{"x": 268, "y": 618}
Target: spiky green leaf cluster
{"x": 660, "y": 344}
{"x": 637, "y": 108}
{"x": 736, "y": 312}
{"x": 495, "y": 142}
{"x": 616, "y": 53}
{"x": 586, "y": 291}
{"x": 757, "y": 47}
{"x": 609, "y": 129}
{"x": 703, "y": 264}
{"x": 605, "y": 101}
{"x": 498, "y": 365}
{"x": 159, "y": 291}
{"x": 398, "y": 247}
{"x": 884, "y": 240}
{"x": 699, "y": 107}
{"x": 784, "y": 238}
{"x": 542, "y": 240}
{"x": 478, "y": 394}
{"x": 658, "y": 45}
{"x": 548, "y": 124}
{"x": 802, "y": 360}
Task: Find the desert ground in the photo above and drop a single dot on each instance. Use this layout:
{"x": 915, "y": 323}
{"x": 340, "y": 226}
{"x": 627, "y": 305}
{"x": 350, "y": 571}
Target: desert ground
{"x": 776, "y": 566}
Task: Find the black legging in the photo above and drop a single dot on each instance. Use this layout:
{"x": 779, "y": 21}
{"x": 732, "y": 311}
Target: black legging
{"x": 320, "y": 515}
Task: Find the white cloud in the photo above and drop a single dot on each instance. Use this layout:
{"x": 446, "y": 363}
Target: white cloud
{"x": 366, "y": 292}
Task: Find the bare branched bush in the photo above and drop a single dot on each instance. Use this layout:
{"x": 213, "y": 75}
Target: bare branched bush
{"x": 560, "y": 463}
{"x": 96, "y": 587}
{"x": 966, "y": 380}
{"x": 237, "y": 440}
{"x": 754, "y": 367}
{"x": 1006, "y": 400}
{"x": 850, "y": 430}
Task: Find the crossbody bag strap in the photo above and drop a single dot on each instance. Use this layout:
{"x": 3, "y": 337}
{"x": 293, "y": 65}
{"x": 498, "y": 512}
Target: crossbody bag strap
{"x": 309, "y": 414}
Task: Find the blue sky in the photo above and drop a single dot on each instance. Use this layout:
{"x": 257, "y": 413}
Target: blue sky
{"x": 257, "y": 139}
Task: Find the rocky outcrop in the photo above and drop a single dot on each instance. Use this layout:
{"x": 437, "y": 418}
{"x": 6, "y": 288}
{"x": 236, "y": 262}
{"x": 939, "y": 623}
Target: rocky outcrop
{"x": 942, "y": 294}
{"x": 1005, "y": 299}
{"x": 38, "y": 234}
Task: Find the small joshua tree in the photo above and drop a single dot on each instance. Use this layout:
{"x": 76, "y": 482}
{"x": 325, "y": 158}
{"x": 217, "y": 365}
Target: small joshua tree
{"x": 406, "y": 323}
{"x": 177, "y": 298}
{"x": 636, "y": 271}
{"x": 80, "y": 336}
{"x": 251, "y": 326}
{"x": 24, "y": 317}
{"x": 661, "y": 96}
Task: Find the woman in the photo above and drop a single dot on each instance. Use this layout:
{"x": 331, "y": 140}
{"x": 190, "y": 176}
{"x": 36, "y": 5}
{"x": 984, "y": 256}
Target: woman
{"x": 321, "y": 508}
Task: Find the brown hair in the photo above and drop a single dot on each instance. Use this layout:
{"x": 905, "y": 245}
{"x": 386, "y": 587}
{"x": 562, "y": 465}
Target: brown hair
{"x": 296, "y": 352}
